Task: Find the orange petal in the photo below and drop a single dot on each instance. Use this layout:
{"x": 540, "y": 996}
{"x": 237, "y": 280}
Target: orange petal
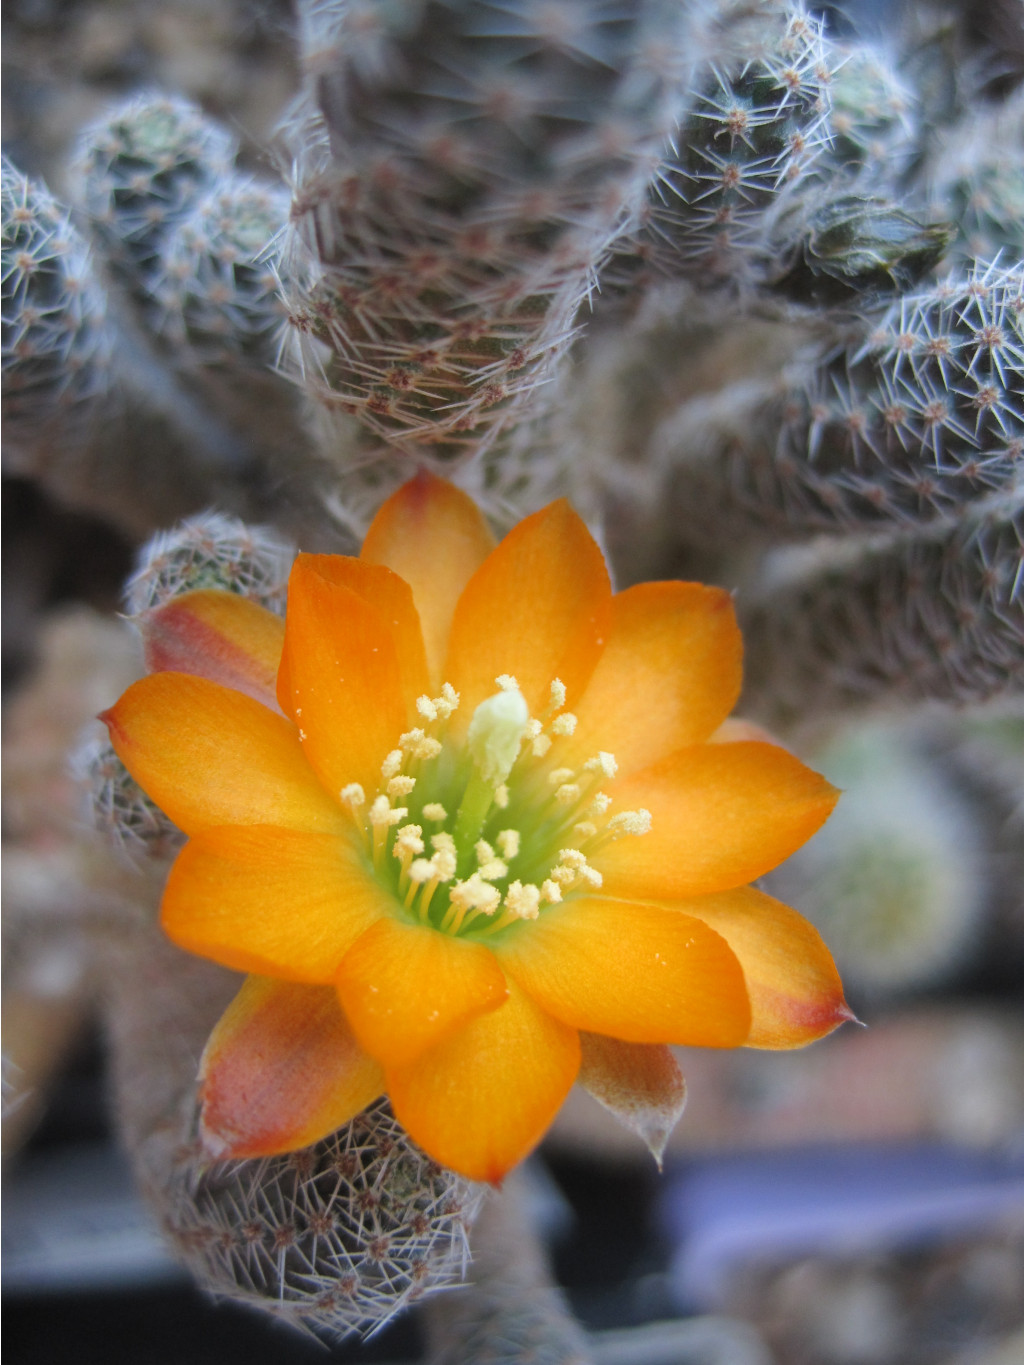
{"x": 668, "y": 676}
{"x": 638, "y": 972}
{"x": 392, "y": 597}
{"x": 211, "y": 756}
{"x": 216, "y": 635}
{"x": 722, "y": 814}
{"x": 795, "y": 991}
{"x": 481, "y": 1100}
{"x": 341, "y": 678}
{"x": 275, "y": 901}
{"x": 281, "y": 1070}
{"x": 405, "y": 987}
{"x": 640, "y": 1083}
{"x": 435, "y": 537}
{"x": 537, "y": 608}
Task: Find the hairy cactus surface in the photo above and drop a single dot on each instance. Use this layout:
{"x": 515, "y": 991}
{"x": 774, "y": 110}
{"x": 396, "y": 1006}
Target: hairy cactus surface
{"x": 937, "y": 617}
{"x": 219, "y": 290}
{"x": 755, "y": 128}
{"x": 458, "y": 174}
{"x": 140, "y": 169}
{"x": 913, "y": 427}
{"x": 57, "y": 340}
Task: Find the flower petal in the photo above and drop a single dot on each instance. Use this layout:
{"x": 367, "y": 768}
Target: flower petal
{"x": 405, "y": 987}
{"x": 795, "y": 991}
{"x": 669, "y": 675}
{"x": 481, "y": 1100}
{"x": 280, "y": 902}
{"x": 216, "y": 635}
{"x": 538, "y": 608}
{"x": 281, "y": 1070}
{"x": 637, "y": 972}
{"x": 722, "y": 814}
{"x": 392, "y": 597}
{"x": 210, "y": 756}
{"x": 435, "y": 537}
{"x": 341, "y": 678}
{"x": 640, "y": 1083}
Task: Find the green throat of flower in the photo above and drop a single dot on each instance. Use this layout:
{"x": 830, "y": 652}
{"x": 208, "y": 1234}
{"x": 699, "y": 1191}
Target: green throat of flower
{"x": 476, "y": 834}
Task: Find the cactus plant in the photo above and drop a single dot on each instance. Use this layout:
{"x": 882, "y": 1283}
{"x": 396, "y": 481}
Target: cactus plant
{"x": 680, "y": 261}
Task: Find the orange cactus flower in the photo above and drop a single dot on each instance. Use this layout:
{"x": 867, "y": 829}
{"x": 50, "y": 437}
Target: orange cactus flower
{"x": 476, "y": 826}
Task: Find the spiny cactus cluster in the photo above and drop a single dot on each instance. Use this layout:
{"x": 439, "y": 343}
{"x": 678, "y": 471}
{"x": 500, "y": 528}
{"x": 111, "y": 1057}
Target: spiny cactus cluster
{"x": 756, "y": 126}
{"x": 458, "y": 172}
{"x": 752, "y": 295}
{"x": 913, "y": 427}
{"x": 335, "y": 1238}
{"x": 57, "y": 341}
{"x": 138, "y": 172}
{"x": 928, "y": 617}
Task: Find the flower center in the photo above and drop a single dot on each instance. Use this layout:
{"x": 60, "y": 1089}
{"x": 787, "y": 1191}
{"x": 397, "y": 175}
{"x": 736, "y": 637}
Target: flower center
{"x": 477, "y": 834}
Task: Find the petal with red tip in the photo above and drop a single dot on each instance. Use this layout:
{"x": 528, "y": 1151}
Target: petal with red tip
{"x": 481, "y": 1100}
{"x": 537, "y": 608}
{"x": 281, "y": 1070}
{"x": 210, "y": 756}
{"x": 279, "y": 902}
{"x": 669, "y": 675}
{"x": 341, "y": 678}
{"x": 637, "y": 972}
{"x": 640, "y": 1083}
{"x": 722, "y": 814}
{"x": 435, "y": 537}
{"x": 795, "y": 991}
{"x": 406, "y": 986}
{"x": 216, "y": 635}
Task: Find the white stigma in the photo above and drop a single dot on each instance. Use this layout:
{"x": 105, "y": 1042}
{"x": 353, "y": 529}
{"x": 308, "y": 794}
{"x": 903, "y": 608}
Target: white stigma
{"x": 495, "y": 733}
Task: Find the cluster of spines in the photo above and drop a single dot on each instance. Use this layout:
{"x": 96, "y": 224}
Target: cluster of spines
{"x": 756, "y": 127}
{"x": 459, "y": 172}
{"x": 930, "y": 617}
{"x": 57, "y": 340}
{"x": 335, "y": 1238}
{"x": 218, "y": 289}
{"x": 209, "y": 551}
{"x": 915, "y": 427}
{"x": 138, "y": 172}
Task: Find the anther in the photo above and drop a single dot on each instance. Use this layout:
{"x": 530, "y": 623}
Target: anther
{"x": 353, "y": 795}
{"x": 508, "y": 842}
{"x": 392, "y": 765}
{"x": 433, "y": 810}
{"x": 564, "y": 724}
{"x": 603, "y": 763}
{"x": 523, "y": 901}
